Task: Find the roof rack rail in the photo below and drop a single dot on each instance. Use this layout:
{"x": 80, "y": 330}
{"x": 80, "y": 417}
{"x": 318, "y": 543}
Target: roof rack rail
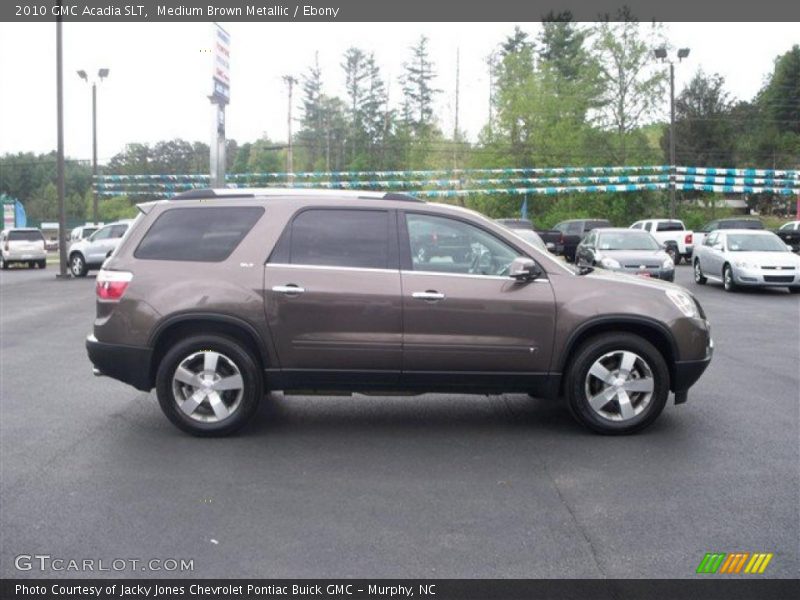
{"x": 197, "y": 194}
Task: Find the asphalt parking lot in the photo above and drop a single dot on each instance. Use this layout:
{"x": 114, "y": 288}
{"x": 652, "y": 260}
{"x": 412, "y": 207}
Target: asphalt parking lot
{"x": 428, "y": 486}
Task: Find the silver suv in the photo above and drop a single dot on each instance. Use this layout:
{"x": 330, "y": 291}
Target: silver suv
{"x": 90, "y": 253}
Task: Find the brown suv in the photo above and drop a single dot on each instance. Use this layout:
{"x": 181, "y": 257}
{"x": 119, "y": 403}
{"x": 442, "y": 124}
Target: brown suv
{"x": 215, "y": 297}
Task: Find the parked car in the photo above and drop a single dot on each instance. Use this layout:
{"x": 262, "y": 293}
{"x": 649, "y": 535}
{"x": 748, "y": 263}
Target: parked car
{"x": 745, "y": 257}
{"x": 732, "y": 223}
{"x": 82, "y": 232}
{"x": 216, "y": 296}
{"x": 23, "y": 245}
{"x": 552, "y": 238}
{"x": 627, "y": 251}
{"x": 672, "y": 234}
{"x": 790, "y": 234}
{"x": 574, "y": 231}
{"x": 89, "y": 253}
{"x": 533, "y": 238}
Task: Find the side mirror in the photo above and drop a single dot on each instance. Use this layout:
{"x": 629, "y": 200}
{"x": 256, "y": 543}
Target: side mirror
{"x": 524, "y": 269}
{"x": 789, "y": 248}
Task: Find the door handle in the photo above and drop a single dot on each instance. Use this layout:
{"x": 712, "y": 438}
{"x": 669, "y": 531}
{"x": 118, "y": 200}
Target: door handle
{"x": 429, "y": 295}
{"x": 288, "y": 290}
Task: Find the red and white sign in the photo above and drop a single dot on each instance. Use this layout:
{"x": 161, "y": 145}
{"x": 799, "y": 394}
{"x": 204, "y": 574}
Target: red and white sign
{"x": 221, "y": 66}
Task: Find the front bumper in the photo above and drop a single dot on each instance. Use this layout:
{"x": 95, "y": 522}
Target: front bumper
{"x": 687, "y": 372}
{"x": 128, "y": 364}
{"x": 766, "y": 278}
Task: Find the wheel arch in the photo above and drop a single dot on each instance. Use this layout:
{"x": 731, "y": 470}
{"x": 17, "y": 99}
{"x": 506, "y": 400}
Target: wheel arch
{"x": 175, "y": 328}
{"x": 649, "y": 329}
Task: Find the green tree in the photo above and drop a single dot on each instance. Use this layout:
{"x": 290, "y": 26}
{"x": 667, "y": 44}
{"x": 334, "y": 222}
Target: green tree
{"x": 631, "y": 84}
{"x": 418, "y": 89}
{"x": 704, "y": 130}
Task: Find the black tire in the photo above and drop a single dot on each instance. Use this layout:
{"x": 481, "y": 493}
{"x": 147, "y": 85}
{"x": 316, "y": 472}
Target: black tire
{"x": 77, "y": 265}
{"x": 699, "y": 278}
{"x": 42, "y": 264}
{"x": 4, "y": 263}
{"x": 230, "y": 349}
{"x": 578, "y": 371}
{"x": 794, "y": 290}
{"x": 673, "y": 254}
{"x": 727, "y": 279}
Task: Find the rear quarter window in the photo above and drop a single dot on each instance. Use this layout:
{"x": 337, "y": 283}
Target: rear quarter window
{"x": 197, "y": 234}
{"x": 25, "y": 236}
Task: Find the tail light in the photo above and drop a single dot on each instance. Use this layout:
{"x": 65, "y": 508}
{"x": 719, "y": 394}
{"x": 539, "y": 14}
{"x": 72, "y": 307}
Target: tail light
{"x": 111, "y": 285}
{"x": 688, "y": 238}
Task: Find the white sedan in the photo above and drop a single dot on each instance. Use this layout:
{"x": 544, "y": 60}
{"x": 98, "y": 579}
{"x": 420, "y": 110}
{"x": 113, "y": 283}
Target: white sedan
{"x": 746, "y": 257}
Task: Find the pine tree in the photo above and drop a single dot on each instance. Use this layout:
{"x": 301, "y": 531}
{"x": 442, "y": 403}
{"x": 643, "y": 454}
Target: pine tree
{"x": 418, "y": 90}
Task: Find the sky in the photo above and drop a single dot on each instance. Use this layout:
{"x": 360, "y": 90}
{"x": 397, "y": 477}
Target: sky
{"x": 160, "y": 74}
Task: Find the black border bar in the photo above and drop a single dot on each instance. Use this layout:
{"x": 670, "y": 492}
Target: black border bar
{"x": 393, "y": 11}
{"x": 711, "y": 588}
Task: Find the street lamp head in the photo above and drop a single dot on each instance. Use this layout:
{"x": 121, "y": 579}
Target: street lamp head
{"x": 102, "y": 73}
{"x": 683, "y": 53}
{"x": 660, "y": 53}
{"x": 82, "y": 75}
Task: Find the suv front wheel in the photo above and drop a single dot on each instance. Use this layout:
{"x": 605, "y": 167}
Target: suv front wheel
{"x": 209, "y": 385}
{"x": 618, "y": 383}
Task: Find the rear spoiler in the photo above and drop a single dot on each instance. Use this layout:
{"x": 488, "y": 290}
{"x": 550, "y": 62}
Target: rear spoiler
{"x": 146, "y": 207}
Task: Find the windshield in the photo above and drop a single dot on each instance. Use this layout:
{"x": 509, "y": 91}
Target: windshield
{"x": 742, "y": 242}
{"x": 741, "y": 224}
{"x": 627, "y": 240}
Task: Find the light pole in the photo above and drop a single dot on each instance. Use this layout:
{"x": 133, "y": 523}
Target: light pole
{"x": 290, "y": 82}
{"x": 102, "y": 74}
{"x": 662, "y": 54}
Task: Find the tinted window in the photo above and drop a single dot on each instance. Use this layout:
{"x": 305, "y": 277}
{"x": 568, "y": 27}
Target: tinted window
{"x": 25, "y": 236}
{"x": 197, "y": 234}
{"x": 669, "y": 226}
{"x": 102, "y": 234}
{"x": 451, "y": 246}
{"x": 648, "y": 226}
{"x": 341, "y": 238}
{"x": 741, "y": 224}
{"x": 574, "y": 228}
{"x": 117, "y": 231}
{"x": 595, "y": 224}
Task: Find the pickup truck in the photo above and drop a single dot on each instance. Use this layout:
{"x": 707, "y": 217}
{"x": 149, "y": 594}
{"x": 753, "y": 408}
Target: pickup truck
{"x": 574, "y": 231}
{"x": 552, "y": 238}
{"x": 672, "y": 234}
{"x": 729, "y": 223}
{"x": 790, "y": 234}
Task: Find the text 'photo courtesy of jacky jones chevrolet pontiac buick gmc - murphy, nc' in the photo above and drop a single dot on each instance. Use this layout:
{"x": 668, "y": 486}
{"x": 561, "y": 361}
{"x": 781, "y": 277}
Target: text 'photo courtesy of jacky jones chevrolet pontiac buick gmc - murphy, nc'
{"x": 216, "y": 297}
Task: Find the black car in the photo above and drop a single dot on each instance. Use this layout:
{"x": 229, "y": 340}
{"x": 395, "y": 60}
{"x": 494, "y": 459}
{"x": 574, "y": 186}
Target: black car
{"x": 574, "y": 230}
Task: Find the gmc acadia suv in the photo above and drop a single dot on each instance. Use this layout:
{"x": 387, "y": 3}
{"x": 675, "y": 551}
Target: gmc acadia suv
{"x": 215, "y": 297}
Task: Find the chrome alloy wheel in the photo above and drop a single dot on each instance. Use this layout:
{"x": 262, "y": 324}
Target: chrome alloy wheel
{"x": 619, "y": 385}
{"x": 207, "y": 386}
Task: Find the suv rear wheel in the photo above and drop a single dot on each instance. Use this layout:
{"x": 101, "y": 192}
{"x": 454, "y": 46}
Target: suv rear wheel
{"x": 618, "y": 383}
{"x": 209, "y": 385}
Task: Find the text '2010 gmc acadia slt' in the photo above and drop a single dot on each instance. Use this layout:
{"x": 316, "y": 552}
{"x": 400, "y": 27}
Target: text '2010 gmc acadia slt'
{"x": 215, "y": 297}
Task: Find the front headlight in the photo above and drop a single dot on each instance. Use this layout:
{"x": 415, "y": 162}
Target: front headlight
{"x": 609, "y": 263}
{"x": 667, "y": 264}
{"x": 684, "y": 303}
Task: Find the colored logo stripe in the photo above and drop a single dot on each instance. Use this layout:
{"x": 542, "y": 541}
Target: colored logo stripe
{"x": 721, "y": 562}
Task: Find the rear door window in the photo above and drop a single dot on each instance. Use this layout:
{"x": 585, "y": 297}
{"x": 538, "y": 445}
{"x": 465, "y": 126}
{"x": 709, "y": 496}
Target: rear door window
{"x": 197, "y": 234}
{"x": 341, "y": 238}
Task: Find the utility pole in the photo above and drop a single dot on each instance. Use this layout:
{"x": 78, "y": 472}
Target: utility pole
{"x": 290, "y": 81}
{"x": 102, "y": 74}
{"x": 672, "y": 191}
{"x": 455, "y": 126}
{"x": 662, "y": 54}
{"x": 62, "y": 217}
